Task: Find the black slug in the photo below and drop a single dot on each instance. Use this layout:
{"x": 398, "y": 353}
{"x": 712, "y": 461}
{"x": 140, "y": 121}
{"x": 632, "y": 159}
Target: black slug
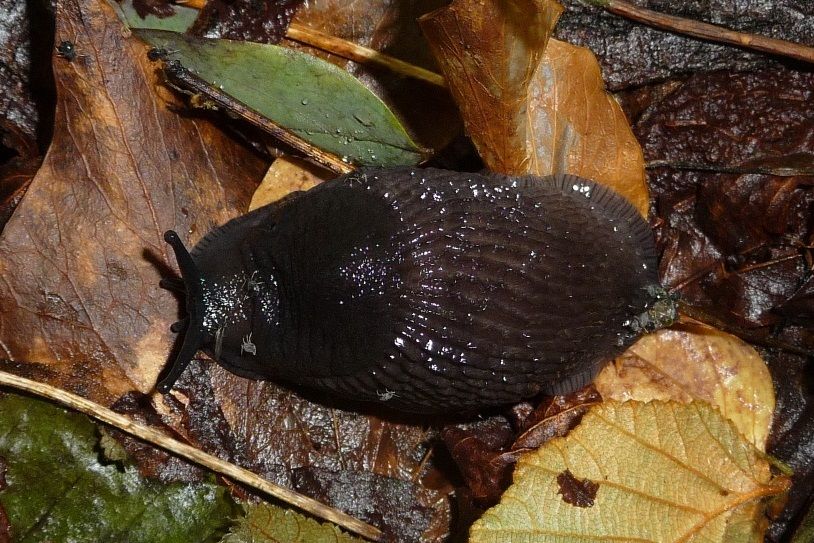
{"x": 425, "y": 289}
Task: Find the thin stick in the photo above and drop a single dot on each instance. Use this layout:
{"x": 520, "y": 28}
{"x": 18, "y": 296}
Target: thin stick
{"x": 707, "y": 31}
{"x": 183, "y": 78}
{"x": 190, "y": 453}
{"x": 362, "y": 55}
{"x": 785, "y": 171}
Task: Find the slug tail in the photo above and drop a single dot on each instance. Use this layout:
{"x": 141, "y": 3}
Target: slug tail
{"x": 195, "y": 334}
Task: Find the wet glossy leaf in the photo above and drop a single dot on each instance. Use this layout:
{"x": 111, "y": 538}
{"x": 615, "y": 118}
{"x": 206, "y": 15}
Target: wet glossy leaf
{"x": 265, "y": 523}
{"x": 390, "y": 26}
{"x": 638, "y": 472}
{"x": 179, "y": 20}
{"x": 314, "y": 99}
{"x": 56, "y": 488}
{"x": 366, "y": 465}
{"x": 245, "y": 20}
{"x": 533, "y": 104}
{"x": 696, "y": 363}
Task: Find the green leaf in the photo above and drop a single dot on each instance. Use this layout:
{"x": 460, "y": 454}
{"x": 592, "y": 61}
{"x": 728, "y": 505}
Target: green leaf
{"x": 805, "y": 532}
{"x": 658, "y": 471}
{"x": 180, "y": 21}
{"x": 265, "y": 523}
{"x": 58, "y": 490}
{"x": 314, "y": 99}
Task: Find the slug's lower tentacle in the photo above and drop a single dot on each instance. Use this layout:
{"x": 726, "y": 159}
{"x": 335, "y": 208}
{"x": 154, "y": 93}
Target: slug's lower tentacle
{"x": 171, "y": 283}
{"x": 179, "y": 326}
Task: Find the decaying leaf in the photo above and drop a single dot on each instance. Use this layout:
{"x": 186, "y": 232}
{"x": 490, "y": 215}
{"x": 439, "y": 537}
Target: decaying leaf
{"x": 662, "y": 471}
{"x": 285, "y": 175}
{"x": 480, "y": 450}
{"x": 554, "y": 417}
{"x": 82, "y": 256}
{"x": 533, "y": 104}
{"x": 368, "y": 466}
{"x": 266, "y": 523}
{"x": 56, "y": 489}
{"x": 245, "y": 20}
{"x": 637, "y": 55}
{"x": 696, "y": 363}
{"x": 314, "y": 99}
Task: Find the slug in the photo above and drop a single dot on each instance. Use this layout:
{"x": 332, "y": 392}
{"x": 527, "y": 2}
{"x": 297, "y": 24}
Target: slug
{"x": 425, "y": 289}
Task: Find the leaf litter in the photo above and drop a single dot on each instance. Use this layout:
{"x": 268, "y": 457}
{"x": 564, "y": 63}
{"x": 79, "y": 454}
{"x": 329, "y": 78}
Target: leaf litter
{"x": 208, "y": 431}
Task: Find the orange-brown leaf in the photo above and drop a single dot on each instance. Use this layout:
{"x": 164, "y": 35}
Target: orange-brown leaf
{"x": 533, "y": 104}
{"x": 81, "y": 258}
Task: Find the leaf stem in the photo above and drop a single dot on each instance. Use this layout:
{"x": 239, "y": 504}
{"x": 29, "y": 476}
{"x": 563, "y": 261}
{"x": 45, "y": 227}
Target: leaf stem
{"x": 362, "y": 55}
{"x": 190, "y": 453}
{"x": 706, "y": 31}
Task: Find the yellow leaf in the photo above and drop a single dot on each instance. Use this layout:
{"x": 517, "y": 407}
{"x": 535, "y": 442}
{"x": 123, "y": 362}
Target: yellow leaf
{"x": 286, "y": 175}
{"x": 267, "y": 523}
{"x": 576, "y": 127}
{"x": 658, "y": 471}
{"x": 533, "y": 104}
{"x": 696, "y": 363}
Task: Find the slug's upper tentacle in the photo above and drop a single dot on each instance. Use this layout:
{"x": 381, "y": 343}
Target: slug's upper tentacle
{"x": 194, "y": 335}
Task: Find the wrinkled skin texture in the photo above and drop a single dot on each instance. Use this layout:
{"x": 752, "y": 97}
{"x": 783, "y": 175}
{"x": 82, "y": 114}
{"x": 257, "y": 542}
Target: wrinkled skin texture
{"x": 425, "y": 289}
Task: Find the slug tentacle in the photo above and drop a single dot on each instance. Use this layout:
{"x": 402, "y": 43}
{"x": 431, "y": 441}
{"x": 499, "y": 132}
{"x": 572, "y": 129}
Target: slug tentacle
{"x": 194, "y": 334}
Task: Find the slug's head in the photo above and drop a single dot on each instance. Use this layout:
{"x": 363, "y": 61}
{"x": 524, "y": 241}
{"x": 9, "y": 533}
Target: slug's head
{"x": 231, "y": 304}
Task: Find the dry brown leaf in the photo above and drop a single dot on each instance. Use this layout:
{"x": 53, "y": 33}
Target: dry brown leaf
{"x": 696, "y": 363}
{"x": 533, "y": 104}
{"x": 372, "y": 468}
{"x": 285, "y": 175}
{"x": 81, "y": 257}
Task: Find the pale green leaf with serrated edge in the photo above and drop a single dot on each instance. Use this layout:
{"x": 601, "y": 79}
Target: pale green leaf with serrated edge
{"x": 58, "y": 490}
{"x": 314, "y": 99}
{"x": 663, "y": 471}
{"x": 180, "y": 21}
{"x": 265, "y": 523}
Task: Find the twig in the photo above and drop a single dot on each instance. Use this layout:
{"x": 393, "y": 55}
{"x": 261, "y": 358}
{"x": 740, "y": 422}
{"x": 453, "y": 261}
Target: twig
{"x": 788, "y": 171}
{"x": 707, "y": 31}
{"x": 183, "y": 78}
{"x": 362, "y": 55}
{"x": 190, "y": 453}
